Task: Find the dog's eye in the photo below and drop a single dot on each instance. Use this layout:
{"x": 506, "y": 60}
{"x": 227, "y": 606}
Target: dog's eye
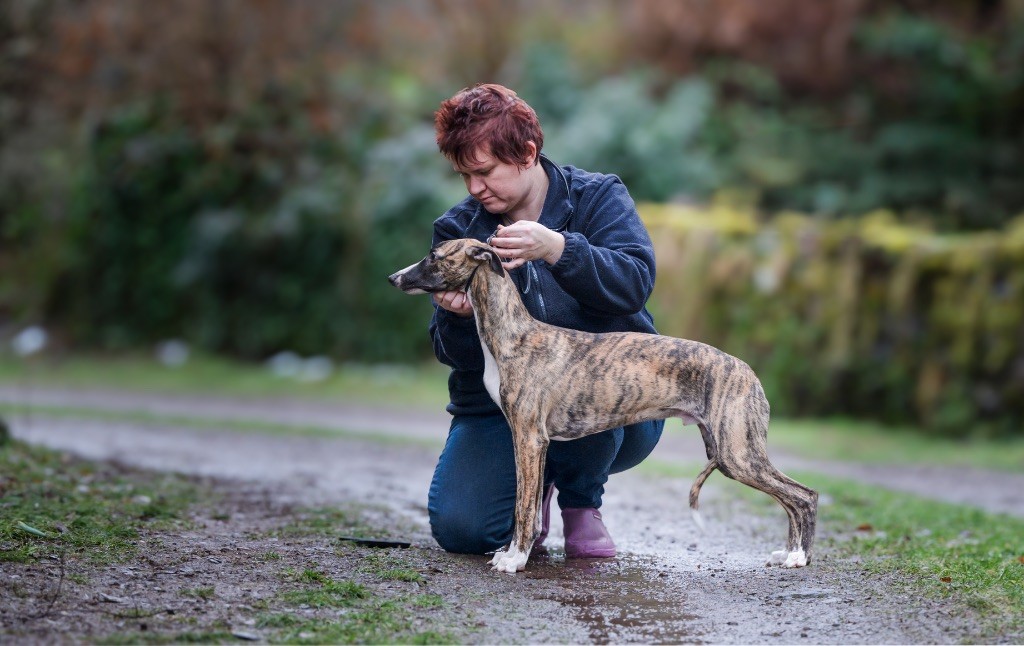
{"x": 432, "y": 256}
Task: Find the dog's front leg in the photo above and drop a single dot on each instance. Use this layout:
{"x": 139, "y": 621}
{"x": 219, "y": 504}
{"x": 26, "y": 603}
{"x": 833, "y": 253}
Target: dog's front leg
{"x": 531, "y": 445}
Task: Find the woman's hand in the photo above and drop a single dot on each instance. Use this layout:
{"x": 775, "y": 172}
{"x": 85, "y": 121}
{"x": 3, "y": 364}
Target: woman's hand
{"x": 455, "y": 302}
{"x": 527, "y": 240}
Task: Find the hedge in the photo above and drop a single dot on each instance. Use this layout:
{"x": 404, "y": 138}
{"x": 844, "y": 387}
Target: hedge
{"x": 870, "y": 316}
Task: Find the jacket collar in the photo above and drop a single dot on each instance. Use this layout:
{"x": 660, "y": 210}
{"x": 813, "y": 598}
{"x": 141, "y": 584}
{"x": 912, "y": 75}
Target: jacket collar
{"x": 558, "y": 206}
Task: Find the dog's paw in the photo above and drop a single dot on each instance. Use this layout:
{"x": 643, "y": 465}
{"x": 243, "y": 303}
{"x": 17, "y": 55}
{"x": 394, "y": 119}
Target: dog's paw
{"x": 788, "y": 559}
{"x": 510, "y": 562}
{"x": 795, "y": 559}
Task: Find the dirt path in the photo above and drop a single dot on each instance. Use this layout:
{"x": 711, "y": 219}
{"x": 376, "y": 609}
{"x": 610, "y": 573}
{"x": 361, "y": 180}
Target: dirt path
{"x": 990, "y": 490}
{"x": 670, "y": 584}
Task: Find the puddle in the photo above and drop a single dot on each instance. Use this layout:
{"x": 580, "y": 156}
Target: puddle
{"x": 620, "y": 600}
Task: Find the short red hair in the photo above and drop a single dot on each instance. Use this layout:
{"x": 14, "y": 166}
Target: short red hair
{"x": 487, "y": 115}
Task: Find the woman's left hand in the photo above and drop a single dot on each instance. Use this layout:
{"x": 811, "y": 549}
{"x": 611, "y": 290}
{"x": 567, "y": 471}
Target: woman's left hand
{"x": 527, "y": 240}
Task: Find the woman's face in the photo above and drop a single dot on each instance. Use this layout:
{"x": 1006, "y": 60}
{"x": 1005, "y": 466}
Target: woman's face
{"x": 498, "y": 185}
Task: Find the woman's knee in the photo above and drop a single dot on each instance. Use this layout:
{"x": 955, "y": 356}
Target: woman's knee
{"x": 455, "y": 530}
{"x": 472, "y": 495}
{"x": 638, "y": 442}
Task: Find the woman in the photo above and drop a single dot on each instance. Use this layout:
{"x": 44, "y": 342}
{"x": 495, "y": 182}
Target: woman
{"x": 575, "y": 246}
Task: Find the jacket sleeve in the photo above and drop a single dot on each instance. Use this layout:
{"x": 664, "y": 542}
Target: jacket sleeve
{"x": 455, "y": 338}
{"x": 608, "y": 262}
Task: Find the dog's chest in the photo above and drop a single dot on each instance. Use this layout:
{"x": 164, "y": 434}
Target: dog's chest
{"x": 492, "y": 378}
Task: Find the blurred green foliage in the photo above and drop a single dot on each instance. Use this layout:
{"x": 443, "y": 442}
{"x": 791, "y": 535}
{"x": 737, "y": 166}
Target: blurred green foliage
{"x": 267, "y": 226}
{"x": 864, "y": 317}
{"x": 932, "y": 127}
{"x": 250, "y": 237}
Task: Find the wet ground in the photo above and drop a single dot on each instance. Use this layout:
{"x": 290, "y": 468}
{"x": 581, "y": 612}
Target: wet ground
{"x": 670, "y": 583}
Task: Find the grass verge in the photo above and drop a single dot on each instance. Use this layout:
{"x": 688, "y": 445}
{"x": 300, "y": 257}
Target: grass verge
{"x": 973, "y": 558}
{"x": 207, "y": 423}
{"x": 421, "y": 385}
{"x": 94, "y": 526}
{"x": 940, "y": 550}
{"x": 56, "y": 506}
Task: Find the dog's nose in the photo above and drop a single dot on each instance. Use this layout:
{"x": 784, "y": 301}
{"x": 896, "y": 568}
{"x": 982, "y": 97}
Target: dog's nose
{"x": 393, "y": 279}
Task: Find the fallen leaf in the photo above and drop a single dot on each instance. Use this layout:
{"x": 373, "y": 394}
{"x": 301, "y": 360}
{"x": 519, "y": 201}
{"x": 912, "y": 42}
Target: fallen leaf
{"x": 946, "y": 579}
{"x": 1021, "y": 559}
{"x": 249, "y": 637}
{"x": 866, "y": 527}
{"x": 32, "y": 530}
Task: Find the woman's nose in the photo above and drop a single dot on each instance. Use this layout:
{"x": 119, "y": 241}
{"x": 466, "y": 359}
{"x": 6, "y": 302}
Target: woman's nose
{"x": 476, "y": 186}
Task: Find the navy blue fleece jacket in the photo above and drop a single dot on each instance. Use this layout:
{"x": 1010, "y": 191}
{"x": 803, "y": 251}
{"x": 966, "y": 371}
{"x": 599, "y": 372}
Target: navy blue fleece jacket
{"x": 600, "y": 284}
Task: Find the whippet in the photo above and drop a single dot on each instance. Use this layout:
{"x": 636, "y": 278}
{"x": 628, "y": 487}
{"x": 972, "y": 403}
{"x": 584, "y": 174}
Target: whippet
{"x": 582, "y": 383}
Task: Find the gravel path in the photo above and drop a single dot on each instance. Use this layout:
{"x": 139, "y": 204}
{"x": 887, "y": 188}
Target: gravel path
{"x": 669, "y": 584}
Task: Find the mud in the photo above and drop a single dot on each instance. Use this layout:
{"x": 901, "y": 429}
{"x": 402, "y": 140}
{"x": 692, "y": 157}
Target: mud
{"x": 670, "y": 583}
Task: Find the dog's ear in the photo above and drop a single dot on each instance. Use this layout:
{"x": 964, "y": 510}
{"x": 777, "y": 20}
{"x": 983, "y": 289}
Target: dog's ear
{"x": 486, "y": 253}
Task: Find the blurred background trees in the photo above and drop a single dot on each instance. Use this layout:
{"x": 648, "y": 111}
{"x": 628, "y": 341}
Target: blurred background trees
{"x": 243, "y": 174}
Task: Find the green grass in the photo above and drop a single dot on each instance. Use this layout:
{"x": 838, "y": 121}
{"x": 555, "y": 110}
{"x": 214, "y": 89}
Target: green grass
{"x": 328, "y": 522}
{"x": 57, "y": 506}
{"x": 857, "y": 441}
{"x": 53, "y": 504}
{"x": 944, "y": 550}
{"x": 971, "y": 557}
{"x": 837, "y": 439}
{"x": 359, "y": 618}
{"x": 421, "y": 386}
{"x": 389, "y": 568}
{"x": 325, "y": 592}
{"x": 205, "y": 423}
{"x": 381, "y": 622}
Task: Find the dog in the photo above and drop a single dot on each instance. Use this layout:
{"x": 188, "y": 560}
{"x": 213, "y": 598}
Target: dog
{"x": 582, "y": 383}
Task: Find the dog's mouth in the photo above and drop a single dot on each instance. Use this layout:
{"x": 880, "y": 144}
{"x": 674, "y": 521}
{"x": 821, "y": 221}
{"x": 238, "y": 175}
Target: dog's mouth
{"x": 412, "y": 281}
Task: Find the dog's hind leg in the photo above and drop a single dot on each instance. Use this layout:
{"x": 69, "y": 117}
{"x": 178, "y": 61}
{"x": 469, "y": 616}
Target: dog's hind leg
{"x": 741, "y": 433}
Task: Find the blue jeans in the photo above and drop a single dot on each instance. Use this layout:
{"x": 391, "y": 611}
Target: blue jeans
{"x": 472, "y": 496}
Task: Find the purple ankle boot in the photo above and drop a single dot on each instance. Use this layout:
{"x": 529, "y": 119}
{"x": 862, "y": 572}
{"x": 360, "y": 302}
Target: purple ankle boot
{"x": 545, "y": 515}
{"x": 585, "y": 535}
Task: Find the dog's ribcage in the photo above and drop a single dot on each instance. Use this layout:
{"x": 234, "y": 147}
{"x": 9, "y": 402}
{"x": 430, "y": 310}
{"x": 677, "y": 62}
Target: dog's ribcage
{"x": 592, "y": 382}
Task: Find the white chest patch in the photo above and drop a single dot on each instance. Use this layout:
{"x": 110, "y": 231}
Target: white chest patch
{"x": 492, "y": 379}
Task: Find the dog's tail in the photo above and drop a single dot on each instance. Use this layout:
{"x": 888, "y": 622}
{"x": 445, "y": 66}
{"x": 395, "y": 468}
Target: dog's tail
{"x": 695, "y": 491}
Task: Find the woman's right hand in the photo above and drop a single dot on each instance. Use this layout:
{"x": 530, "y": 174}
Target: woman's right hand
{"x": 455, "y": 302}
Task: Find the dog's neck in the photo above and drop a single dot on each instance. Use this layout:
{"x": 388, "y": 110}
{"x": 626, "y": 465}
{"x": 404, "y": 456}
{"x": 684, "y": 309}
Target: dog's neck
{"x": 499, "y": 309}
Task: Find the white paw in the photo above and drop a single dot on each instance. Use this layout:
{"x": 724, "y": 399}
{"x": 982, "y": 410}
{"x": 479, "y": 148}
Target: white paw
{"x": 796, "y": 559}
{"x": 510, "y": 562}
{"x": 788, "y": 559}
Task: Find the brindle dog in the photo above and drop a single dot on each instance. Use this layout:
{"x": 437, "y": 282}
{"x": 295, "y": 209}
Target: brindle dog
{"x": 581, "y": 383}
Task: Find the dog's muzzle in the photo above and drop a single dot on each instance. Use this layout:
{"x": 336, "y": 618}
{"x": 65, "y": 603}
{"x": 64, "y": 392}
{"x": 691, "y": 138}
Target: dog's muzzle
{"x": 409, "y": 280}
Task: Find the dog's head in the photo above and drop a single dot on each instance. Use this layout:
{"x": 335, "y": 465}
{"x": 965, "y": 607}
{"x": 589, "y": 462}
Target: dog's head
{"x": 449, "y": 267}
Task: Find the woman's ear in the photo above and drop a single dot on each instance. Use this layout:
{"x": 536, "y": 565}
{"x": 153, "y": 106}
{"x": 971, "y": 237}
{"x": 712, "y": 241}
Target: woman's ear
{"x": 532, "y": 154}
